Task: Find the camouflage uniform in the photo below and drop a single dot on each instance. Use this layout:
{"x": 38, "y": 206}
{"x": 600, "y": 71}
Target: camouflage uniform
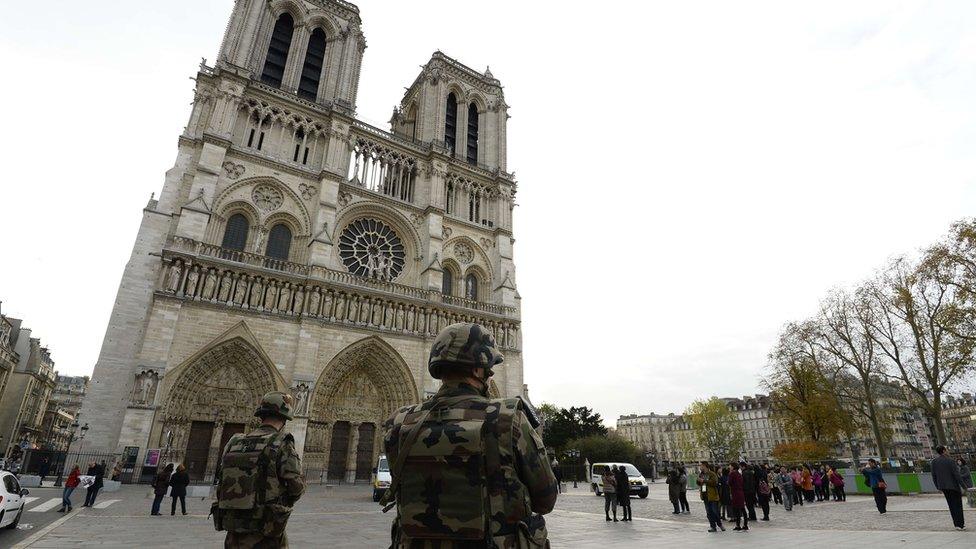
{"x": 475, "y": 471}
{"x": 249, "y": 521}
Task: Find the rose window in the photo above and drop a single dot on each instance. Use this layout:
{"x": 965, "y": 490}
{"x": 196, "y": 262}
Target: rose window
{"x": 267, "y": 197}
{"x": 370, "y": 248}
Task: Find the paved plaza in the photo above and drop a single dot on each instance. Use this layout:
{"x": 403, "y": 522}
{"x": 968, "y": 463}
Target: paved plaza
{"x": 346, "y": 517}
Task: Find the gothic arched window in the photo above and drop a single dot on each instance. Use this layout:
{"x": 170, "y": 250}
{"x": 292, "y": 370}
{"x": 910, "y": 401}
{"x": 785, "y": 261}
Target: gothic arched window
{"x": 235, "y": 234}
{"x": 472, "y": 134}
{"x": 308, "y": 87}
{"x": 447, "y": 282}
{"x": 471, "y": 287}
{"x": 274, "y": 65}
{"x": 450, "y": 122}
{"x": 279, "y": 242}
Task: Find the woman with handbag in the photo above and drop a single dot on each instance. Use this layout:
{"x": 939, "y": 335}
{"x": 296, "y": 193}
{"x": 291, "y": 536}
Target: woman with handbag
{"x": 160, "y": 484}
{"x": 874, "y": 479}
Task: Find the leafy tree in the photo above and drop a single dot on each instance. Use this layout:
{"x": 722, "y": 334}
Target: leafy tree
{"x": 597, "y": 448}
{"x": 800, "y": 452}
{"x": 716, "y": 429}
{"x": 564, "y": 425}
{"x": 801, "y": 397}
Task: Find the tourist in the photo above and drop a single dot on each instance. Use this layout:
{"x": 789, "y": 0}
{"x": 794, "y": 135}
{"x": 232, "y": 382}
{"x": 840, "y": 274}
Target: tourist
{"x": 98, "y": 471}
{"x": 623, "y": 493}
{"x": 797, "y": 486}
{"x": 609, "y": 492}
{"x": 787, "y": 486}
{"x": 177, "y": 488}
{"x": 683, "y": 490}
{"x": 749, "y": 486}
{"x": 807, "y": 483}
{"x": 837, "y": 481}
{"x": 673, "y": 488}
{"x": 43, "y": 469}
{"x": 69, "y": 486}
{"x": 825, "y": 483}
{"x": 817, "y": 484}
{"x": 738, "y": 498}
{"x": 160, "y": 484}
{"x": 708, "y": 481}
{"x": 945, "y": 475}
{"x": 724, "y": 494}
{"x": 763, "y": 492}
{"x": 967, "y": 476}
{"x": 874, "y": 479}
{"x": 772, "y": 476}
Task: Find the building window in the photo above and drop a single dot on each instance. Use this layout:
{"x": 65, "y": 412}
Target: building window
{"x": 450, "y": 123}
{"x": 370, "y": 248}
{"x": 308, "y": 86}
{"x": 471, "y": 287}
{"x": 472, "y": 134}
{"x": 274, "y": 64}
{"x": 235, "y": 234}
{"x": 447, "y": 283}
{"x": 279, "y": 242}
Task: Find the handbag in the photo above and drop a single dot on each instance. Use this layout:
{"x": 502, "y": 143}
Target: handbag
{"x": 882, "y": 485}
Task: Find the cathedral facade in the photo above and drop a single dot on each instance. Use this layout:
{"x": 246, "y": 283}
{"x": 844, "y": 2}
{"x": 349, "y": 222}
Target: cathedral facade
{"x": 294, "y": 247}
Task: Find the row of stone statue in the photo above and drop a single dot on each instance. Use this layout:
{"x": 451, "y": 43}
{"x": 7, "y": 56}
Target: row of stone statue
{"x": 259, "y": 293}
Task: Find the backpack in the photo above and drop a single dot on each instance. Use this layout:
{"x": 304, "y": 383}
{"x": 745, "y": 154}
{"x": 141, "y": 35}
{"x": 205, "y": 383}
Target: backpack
{"x": 247, "y": 482}
{"x": 447, "y": 456}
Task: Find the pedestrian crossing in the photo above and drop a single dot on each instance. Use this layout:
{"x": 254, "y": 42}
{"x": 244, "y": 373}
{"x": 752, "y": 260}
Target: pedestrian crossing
{"x": 56, "y": 502}
{"x": 106, "y": 503}
{"x": 46, "y": 506}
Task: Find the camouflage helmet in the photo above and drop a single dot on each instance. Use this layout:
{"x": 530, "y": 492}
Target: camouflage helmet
{"x": 463, "y": 345}
{"x": 275, "y": 403}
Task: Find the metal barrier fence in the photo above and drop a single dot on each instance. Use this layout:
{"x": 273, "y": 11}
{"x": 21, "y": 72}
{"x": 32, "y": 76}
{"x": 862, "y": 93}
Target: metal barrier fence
{"x": 55, "y": 461}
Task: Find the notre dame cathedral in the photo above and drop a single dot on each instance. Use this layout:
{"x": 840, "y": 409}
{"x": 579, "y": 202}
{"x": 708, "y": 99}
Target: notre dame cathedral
{"x": 295, "y": 248}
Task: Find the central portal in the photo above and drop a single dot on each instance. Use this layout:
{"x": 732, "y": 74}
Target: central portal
{"x": 359, "y": 389}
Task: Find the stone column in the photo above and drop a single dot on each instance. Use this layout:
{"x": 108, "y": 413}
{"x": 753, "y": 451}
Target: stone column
{"x": 351, "y": 454}
{"x": 214, "y": 454}
{"x": 326, "y": 449}
{"x": 377, "y": 443}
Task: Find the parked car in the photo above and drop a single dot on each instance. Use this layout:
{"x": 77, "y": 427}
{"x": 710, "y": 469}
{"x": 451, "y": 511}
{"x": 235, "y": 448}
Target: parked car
{"x": 11, "y": 500}
{"x": 638, "y": 484}
{"x": 381, "y": 478}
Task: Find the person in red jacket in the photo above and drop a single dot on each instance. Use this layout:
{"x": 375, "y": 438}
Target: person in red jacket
{"x": 736, "y": 486}
{"x": 69, "y": 486}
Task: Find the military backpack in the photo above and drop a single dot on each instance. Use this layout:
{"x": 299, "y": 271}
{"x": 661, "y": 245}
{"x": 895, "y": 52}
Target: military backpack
{"x": 452, "y": 470}
{"x": 248, "y": 491}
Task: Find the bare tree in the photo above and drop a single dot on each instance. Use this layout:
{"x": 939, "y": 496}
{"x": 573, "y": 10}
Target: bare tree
{"x": 852, "y": 365}
{"x": 920, "y": 322}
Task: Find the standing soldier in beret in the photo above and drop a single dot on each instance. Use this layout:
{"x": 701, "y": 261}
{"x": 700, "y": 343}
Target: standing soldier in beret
{"x": 468, "y": 471}
{"x": 259, "y": 480}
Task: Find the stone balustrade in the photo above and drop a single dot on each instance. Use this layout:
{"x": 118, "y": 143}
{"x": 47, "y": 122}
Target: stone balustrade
{"x": 203, "y": 272}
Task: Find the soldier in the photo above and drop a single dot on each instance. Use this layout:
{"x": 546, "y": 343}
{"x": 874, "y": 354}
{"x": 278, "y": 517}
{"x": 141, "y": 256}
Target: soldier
{"x": 467, "y": 471}
{"x": 259, "y": 480}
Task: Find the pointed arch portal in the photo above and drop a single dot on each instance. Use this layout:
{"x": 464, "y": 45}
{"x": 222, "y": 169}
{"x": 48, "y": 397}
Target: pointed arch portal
{"x": 359, "y": 389}
{"x": 213, "y": 396}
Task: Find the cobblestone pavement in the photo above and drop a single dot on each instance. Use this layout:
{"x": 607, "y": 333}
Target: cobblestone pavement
{"x": 345, "y": 517}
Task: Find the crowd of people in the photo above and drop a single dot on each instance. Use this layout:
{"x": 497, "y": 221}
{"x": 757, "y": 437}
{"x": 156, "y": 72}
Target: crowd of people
{"x": 734, "y": 492}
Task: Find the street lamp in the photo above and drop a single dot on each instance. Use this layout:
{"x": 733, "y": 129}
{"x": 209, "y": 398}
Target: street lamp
{"x": 575, "y": 455}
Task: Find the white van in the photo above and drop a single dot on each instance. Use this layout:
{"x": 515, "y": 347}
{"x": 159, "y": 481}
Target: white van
{"x": 638, "y": 484}
{"x": 381, "y": 478}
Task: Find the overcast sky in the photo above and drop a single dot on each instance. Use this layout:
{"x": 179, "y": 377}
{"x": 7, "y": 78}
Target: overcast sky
{"x": 691, "y": 174}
